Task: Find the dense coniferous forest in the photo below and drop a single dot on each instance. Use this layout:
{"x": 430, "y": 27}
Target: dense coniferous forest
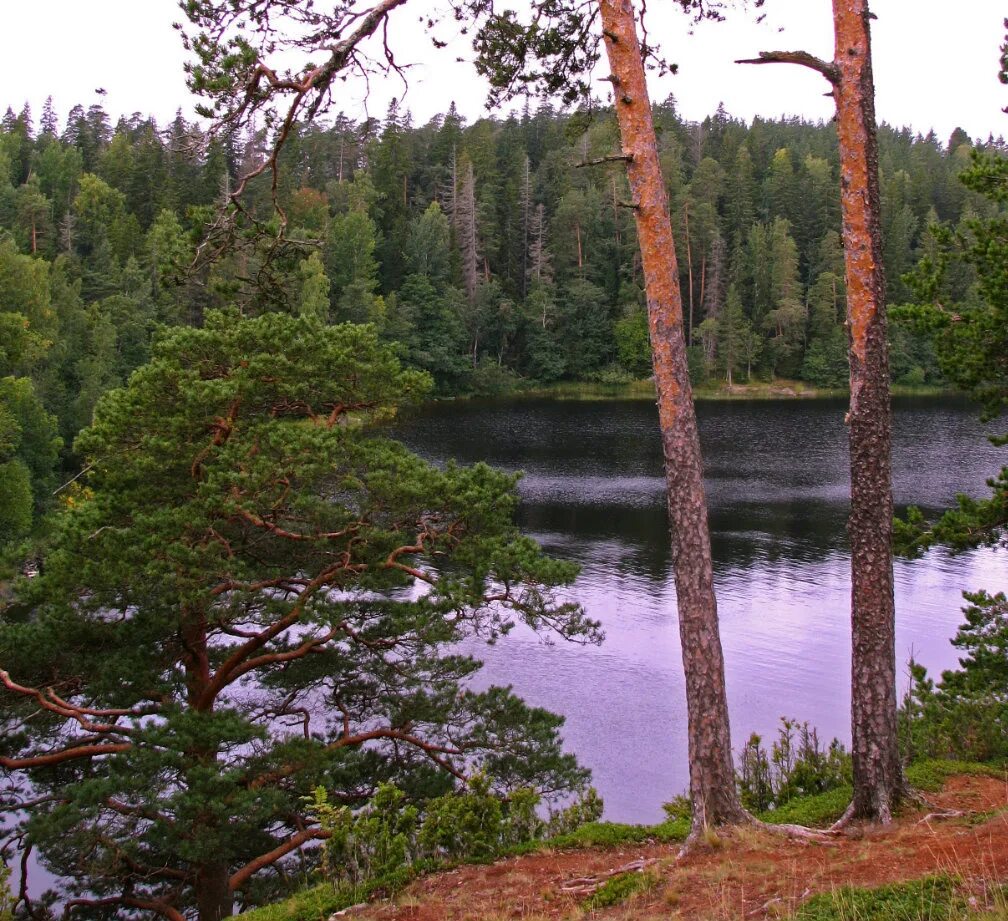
{"x": 493, "y": 253}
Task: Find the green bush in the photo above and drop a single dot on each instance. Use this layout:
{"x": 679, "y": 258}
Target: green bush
{"x": 796, "y": 765}
{"x": 6, "y": 897}
{"x": 376, "y": 841}
{"x": 825, "y": 363}
{"x": 964, "y": 716}
{"x": 469, "y": 824}
{"x": 492, "y": 379}
{"x": 618, "y": 889}
{"x": 390, "y": 835}
{"x": 611, "y": 376}
{"x": 633, "y": 342}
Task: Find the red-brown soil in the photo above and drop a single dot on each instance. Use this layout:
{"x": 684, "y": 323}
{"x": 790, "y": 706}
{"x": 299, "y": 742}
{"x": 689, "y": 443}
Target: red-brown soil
{"x": 743, "y": 874}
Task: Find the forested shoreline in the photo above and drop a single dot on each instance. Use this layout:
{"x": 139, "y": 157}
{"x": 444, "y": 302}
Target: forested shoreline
{"x": 492, "y": 253}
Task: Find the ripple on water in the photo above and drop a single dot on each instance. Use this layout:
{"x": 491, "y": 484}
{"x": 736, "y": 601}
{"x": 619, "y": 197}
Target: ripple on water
{"x": 777, "y": 484}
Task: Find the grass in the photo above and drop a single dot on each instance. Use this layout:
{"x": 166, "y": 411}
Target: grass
{"x": 934, "y": 898}
{"x": 712, "y": 390}
{"x": 930, "y": 775}
{"x": 318, "y": 902}
{"x": 613, "y": 834}
{"x": 815, "y": 811}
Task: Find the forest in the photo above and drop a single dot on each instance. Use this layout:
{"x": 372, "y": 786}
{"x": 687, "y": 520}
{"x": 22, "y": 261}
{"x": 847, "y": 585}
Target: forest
{"x": 481, "y": 250}
{"x": 239, "y": 619}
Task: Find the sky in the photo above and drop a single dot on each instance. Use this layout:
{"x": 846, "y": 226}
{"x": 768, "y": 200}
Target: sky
{"x": 933, "y": 69}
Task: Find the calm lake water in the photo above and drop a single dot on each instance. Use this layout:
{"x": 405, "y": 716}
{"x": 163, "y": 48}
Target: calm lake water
{"x": 777, "y": 487}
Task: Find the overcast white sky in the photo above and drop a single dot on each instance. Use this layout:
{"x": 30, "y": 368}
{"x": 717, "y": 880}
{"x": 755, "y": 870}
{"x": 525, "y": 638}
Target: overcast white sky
{"x": 935, "y": 62}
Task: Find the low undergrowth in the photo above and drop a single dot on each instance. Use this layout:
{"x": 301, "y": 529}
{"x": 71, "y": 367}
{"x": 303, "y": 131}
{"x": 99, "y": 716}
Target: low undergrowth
{"x": 619, "y": 889}
{"x": 378, "y": 850}
{"x": 929, "y": 775}
{"x": 934, "y": 898}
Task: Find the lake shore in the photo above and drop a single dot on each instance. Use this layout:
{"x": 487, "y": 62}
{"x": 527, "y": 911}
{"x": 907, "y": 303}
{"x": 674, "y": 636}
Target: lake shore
{"x": 779, "y": 389}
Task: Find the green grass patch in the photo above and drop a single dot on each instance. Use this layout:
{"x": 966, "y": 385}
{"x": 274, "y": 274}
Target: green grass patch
{"x": 931, "y": 775}
{"x": 933, "y": 898}
{"x": 319, "y": 902}
{"x": 815, "y": 811}
{"x": 617, "y": 890}
{"x": 613, "y": 834}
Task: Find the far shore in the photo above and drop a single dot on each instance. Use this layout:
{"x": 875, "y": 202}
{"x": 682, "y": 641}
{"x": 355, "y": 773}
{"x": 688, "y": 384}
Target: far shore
{"x": 780, "y": 389}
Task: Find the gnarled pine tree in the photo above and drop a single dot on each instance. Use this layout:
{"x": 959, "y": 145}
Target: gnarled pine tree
{"x": 231, "y": 615}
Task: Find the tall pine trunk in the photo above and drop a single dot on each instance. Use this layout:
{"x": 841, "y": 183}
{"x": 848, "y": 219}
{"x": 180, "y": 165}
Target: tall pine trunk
{"x": 878, "y": 774}
{"x": 712, "y": 776}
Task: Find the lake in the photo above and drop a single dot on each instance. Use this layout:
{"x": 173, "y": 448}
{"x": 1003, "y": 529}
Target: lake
{"x": 777, "y": 486}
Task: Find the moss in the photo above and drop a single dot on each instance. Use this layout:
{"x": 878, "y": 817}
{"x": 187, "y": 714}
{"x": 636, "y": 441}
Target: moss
{"x": 933, "y": 898}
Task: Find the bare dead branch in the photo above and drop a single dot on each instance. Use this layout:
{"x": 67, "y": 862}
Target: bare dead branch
{"x": 827, "y": 68}
{"x": 611, "y": 158}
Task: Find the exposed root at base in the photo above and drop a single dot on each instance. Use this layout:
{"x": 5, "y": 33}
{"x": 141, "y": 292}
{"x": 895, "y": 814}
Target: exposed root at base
{"x": 748, "y": 820}
{"x": 587, "y": 885}
{"x": 799, "y": 832}
{"x": 884, "y": 809}
{"x": 944, "y": 814}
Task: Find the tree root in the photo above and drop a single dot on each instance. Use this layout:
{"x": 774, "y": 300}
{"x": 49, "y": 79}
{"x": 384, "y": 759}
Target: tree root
{"x": 824, "y": 837}
{"x": 587, "y": 885}
{"x": 943, "y": 814}
{"x": 747, "y": 820}
{"x": 885, "y": 816}
{"x": 845, "y": 820}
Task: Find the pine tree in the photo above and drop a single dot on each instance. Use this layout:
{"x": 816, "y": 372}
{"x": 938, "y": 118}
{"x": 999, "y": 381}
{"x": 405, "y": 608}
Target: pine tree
{"x": 161, "y": 685}
{"x": 466, "y": 229}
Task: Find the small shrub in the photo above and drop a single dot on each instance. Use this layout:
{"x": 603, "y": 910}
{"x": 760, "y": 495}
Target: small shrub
{"x": 467, "y": 824}
{"x": 374, "y": 842}
{"x": 492, "y": 379}
{"x": 611, "y": 376}
{"x": 390, "y": 837}
{"x": 585, "y": 809}
{"x": 6, "y": 897}
{"x": 796, "y": 765}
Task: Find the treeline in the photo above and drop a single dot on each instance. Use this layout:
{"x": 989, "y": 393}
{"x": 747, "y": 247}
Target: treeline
{"x": 489, "y": 252}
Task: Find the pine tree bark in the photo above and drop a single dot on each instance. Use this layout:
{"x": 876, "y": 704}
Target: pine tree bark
{"x": 878, "y": 774}
{"x": 214, "y": 899}
{"x": 712, "y": 776}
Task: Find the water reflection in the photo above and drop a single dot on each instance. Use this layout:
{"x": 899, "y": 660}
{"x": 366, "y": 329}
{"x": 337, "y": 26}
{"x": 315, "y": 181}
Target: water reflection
{"x": 777, "y": 484}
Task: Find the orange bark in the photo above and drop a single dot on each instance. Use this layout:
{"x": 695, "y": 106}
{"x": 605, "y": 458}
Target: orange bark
{"x": 878, "y": 775}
